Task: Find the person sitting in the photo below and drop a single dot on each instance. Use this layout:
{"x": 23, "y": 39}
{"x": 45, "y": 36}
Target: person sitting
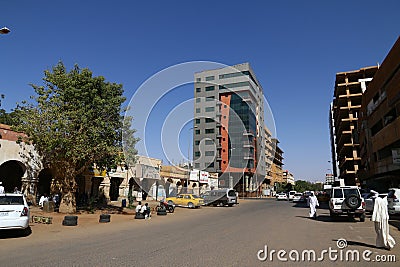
{"x": 138, "y": 207}
{"x": 146, "y": 211}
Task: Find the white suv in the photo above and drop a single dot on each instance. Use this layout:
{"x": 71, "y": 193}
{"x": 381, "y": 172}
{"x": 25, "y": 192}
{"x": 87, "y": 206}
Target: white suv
{"x": 393, "y": 199}
{"x": 347, "y": 200}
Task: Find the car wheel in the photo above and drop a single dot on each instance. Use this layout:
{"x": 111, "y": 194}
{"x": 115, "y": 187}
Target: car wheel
{"x": 362, "y": 218}
{"x": 190, "y": 205}
{"x": 27, "y": 231}
{"x": 230, "y": 205}
{"x": 353, "y": 201}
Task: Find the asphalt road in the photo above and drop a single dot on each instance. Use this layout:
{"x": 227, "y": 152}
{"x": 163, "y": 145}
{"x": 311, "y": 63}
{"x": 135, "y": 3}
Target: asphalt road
{"x": 209, "y": 236}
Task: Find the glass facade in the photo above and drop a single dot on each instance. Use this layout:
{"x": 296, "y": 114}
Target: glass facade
{"x": 242, "y": 130}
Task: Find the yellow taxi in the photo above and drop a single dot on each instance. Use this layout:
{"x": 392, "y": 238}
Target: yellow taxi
{"x": 186, "y": 200}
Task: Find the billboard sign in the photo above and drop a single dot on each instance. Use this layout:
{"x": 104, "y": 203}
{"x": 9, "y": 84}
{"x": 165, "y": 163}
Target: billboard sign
{"x": 204, "y": 177}
{"x": 194, "y": 175}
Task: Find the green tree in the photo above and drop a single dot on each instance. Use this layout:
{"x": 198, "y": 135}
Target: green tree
{"x": 75, "y": 122}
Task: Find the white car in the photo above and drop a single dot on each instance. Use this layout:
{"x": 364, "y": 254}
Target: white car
{"x": 347, "y": 200}
{"x": 298, "y": 197}
{"x": 281, "y": 196}
{"x": 393, "y": 199}
{"x": 14, "y": 212}
{"x": 291, "y": 195}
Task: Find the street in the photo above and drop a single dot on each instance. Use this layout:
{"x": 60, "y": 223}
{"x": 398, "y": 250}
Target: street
{"x": 209, "y": 236}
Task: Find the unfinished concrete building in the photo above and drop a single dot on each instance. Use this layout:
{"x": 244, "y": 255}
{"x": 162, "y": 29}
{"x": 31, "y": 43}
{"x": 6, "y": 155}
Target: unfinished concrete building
{"x": 349, "y": 88}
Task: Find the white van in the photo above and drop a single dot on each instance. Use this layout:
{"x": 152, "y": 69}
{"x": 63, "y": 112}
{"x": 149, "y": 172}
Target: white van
{"x": 220, "y": 197}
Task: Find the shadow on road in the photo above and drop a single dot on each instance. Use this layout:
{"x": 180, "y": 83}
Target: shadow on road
{"x": 327, "y": 218}
{"x": 356, "y": 243}
{"x": 15, "y": 233}
{"x": 300, "y": 205}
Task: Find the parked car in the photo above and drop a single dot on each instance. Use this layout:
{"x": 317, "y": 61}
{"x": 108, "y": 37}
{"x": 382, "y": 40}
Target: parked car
{"x": 291, "y": 195}
{"x": 393, "y": 199}
{"x": 370, "y": 201}
{"x": 298, "y": 197}
{"x": 347, "y": 200}
{"x": 14, "y": 212}
{"x": 186, "y": 200}
{"x": 281, "y": 196}
{"x": 220, "y": 197}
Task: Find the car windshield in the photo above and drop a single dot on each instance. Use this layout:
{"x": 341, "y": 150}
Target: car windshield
{"x": 350, "y": 191}
{"x": 195, "y": 196}
{"x": 11, "y": 200}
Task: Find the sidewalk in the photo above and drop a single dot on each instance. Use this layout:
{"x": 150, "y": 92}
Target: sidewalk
{"x": 85, "y": 218}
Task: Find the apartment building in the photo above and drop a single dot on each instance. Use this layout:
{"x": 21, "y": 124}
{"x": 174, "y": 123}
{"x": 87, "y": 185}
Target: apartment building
{"x": 228, "y": 134}
{"x": 349, "y": 88}
{"x": 277, "y": 164}
{"x": 380, "y": 126}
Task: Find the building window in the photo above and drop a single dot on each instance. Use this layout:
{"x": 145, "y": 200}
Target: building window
{"x": 197, "y": 142}
{"x": 197, "y": 110}
{"x": 197, "y": 121}
{"x": 198, "y": 100}
{"x": 231, "y": 75}
{"x": 210, "y": 109}
{"x": 209, "y": 142}
{"x": 198, "y": 79}
{"x": 210, "y": 88}
{"x": 197, "y": 132}
{"x": 197, "y": 165}
{"x": 209, "y": 131}
{"x": 210, "y": 78}
{"x": 208, "y": 120}
{"x": 210, "y": 98}
{"x": 197, "y": 154}
{"x": 209, "y": 153}
{"x": 234, "y": 85}
{"x": 198, "y": 90}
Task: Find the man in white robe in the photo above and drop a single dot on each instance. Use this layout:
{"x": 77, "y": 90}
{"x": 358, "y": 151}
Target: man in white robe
{"x": 313, "y": 203}
{"x": 380, "y": 217}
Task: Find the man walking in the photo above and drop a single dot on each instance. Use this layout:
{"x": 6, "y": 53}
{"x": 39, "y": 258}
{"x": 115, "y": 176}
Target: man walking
{"x": 313, "y": 203}
{"x": 380, "y": 217}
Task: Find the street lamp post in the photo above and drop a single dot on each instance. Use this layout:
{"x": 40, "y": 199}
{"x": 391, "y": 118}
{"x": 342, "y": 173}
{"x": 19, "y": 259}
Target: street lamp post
{"x": 4, "y": 30}
{"x": 195, "y": 127}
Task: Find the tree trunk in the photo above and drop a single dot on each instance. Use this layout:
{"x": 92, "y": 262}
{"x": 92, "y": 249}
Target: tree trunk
{"x": 68, "y": 199}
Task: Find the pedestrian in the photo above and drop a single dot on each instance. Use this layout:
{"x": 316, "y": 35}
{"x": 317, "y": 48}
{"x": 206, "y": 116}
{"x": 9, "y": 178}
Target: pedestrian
{"x": 380, "y": 217}
{"x": 313, "y": 203}
{"x": 1, "y": 188}
{"x": 43, "y": 199}
{"x": 138, "y": 207}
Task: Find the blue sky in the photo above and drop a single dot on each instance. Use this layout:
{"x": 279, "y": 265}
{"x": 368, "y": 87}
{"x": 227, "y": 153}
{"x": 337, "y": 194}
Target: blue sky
{"x": 294, "y": 47}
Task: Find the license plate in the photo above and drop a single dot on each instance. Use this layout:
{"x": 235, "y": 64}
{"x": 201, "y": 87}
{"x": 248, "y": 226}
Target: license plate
{"x": 3, "y": 214}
